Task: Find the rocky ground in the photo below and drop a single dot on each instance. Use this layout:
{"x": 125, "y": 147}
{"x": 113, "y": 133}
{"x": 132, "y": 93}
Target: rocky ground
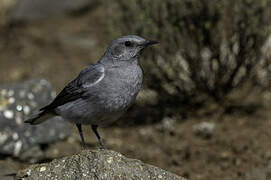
{"x": 206, "y": 145}
{"x": 99, "y": 164}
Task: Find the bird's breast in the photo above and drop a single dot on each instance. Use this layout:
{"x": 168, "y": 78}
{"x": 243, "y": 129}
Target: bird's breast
{"x": 122, "y": 86}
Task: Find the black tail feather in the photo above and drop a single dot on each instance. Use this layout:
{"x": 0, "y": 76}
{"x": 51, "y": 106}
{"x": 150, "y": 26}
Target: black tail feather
{"x": 39, "y": 118}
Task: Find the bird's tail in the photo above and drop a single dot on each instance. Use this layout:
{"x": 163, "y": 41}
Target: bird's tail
{"x": 39, "y": 118}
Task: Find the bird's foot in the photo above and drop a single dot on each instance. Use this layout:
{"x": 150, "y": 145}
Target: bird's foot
{"x": 102, "y": 146}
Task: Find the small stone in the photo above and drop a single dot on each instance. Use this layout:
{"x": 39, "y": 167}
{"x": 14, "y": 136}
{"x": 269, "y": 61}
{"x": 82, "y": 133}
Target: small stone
{"x": 160, "y": 176}
{"x": 53, "y": 94}
{"x": 11, "y": 100}
{"x": 30, "y": 96}
{"x": 42, "y": 169}
{"x": 3, "y": 92}
{"x": 28, "y": 172}
{"x": 19, "y": 120}
{"x": 15, "y": 136}
{"x": 8, "y": 114}
{"x": 26, "y": 110}
{"x": 19, "y": 108}
{"x": 204, "y": 129}
{"x": 22, "y": 94}
{"x": 110, "y": 160}
{"x": 3, "y": 102}
{"x": 3, "y": 137}
{"x": 167, "y": 125}
{"x": 10, "y": 92}
{"x": 17, "y": 148}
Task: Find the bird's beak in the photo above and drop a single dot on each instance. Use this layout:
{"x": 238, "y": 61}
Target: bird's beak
{"x": 150, "y": 42}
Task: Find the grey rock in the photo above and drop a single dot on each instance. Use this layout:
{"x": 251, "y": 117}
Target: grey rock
{"x": 32, "y": 155}
{"x": 17, "y": 102}
{"x": 28, "y": 10}
{"x": 95, "y": 164}
{"x": 167, "y": 125}
{"x": 204, "y": 129}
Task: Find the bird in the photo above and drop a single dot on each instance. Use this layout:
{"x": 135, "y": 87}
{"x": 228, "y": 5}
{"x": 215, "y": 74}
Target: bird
{"x": 101, "y": 92}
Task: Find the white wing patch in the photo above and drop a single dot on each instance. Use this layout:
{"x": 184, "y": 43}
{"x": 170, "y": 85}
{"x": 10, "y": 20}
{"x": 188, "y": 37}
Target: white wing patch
{"x": 100, "y": 78}
{"x": 101, "y": 70}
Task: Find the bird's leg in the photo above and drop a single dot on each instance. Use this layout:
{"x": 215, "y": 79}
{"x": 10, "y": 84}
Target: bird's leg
{"x": 94, "y": 129}
{"x": 79, "y": 127}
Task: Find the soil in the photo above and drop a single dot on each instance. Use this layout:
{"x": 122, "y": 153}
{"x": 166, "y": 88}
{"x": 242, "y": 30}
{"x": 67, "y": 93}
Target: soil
{"x": 239, "y": 147}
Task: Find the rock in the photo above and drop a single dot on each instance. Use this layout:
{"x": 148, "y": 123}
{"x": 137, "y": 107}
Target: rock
{"x": 17, "y": 102}
{"x": 167, "y": 125}
{"x": 28, "y": 10}
{"x": 32, "y": 155}
{"x": 95, "y": 164}
{"x": 204, "y": 129}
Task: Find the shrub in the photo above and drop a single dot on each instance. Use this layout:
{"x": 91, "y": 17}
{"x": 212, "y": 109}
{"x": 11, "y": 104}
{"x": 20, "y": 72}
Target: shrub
{"x": 207, "y": 48}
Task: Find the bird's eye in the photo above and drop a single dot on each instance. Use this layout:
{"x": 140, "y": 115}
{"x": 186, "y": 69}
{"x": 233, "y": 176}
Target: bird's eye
{"x": 128, "y": 43}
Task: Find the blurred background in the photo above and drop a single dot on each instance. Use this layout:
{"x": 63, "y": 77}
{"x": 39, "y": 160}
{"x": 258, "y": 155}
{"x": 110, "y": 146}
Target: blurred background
{"x": 204, "y": 111}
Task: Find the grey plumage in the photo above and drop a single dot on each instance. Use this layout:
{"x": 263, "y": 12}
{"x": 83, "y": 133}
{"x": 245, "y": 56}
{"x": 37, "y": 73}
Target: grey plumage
{"x": 102, "y": 91}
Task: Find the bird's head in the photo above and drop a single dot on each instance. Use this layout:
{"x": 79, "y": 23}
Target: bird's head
{"x": 127, "y": 47}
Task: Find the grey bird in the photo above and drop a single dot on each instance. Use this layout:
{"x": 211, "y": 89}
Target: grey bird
{"x": 101, "y": 92}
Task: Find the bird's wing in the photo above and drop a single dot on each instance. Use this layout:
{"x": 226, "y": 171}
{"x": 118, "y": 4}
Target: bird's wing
{"x": 89, "y": 76}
